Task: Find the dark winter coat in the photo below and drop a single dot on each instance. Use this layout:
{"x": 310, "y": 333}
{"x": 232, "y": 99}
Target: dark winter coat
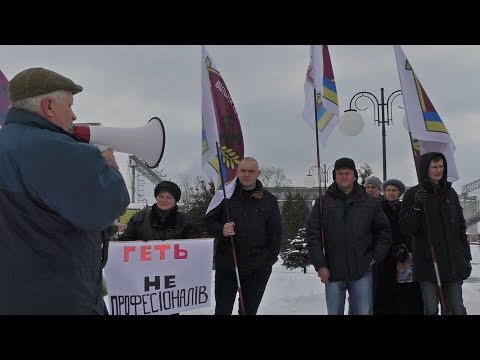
{"x": 258, "y": 229}
{"x": 147, "y": 225}
{"x": 391, "y": 297}
{"x": 441, "y": 222}
{"x": 356, "y": 231}
{"x": 56, "y": 195}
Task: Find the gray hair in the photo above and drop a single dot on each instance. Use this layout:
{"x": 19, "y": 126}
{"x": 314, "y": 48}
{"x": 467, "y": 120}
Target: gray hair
{"x": 33, "y": 103}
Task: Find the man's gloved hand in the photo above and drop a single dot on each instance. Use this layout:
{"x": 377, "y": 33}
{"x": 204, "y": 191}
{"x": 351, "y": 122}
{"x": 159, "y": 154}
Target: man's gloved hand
{"x": 420, "y": 197}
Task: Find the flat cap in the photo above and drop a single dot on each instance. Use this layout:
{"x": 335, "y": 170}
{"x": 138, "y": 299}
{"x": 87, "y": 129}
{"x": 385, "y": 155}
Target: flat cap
{"x": 39, "y": 81}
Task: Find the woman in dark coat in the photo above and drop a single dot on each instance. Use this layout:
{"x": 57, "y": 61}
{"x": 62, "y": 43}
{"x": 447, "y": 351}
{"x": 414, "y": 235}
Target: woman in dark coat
{"x": 162, "y": 220}
{"x": 390, "y": 296}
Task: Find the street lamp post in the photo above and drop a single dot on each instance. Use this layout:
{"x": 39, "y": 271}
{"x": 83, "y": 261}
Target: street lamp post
{"x": 324, "y": 174}
{"x": 352, "y": 122}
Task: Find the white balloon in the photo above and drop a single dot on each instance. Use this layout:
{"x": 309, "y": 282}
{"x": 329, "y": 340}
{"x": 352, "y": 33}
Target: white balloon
{"x": 351, "y": 123}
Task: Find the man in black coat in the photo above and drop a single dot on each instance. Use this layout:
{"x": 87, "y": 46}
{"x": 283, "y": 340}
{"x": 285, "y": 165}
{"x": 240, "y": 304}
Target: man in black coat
{"x": 254, "y": 226}
{"x": 353, "y": 230}
{"x": 432, "y": 214}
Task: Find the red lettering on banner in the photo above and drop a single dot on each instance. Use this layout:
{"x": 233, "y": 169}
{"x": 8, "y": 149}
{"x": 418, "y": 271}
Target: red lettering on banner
{"x": 145, "y": 252}
{"x": 126, "y": 252}
{"x": 162, "y": 249}
{"x": 179, "y": 253}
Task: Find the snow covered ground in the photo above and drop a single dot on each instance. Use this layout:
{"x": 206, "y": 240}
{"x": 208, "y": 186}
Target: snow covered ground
{"x": 291, "y": 292}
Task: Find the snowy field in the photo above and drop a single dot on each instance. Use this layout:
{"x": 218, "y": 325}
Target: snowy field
{"x": 291, "y": 292}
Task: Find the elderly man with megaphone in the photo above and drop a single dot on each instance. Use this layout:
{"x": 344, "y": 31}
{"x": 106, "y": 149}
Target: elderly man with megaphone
{"x": 57, "y": 194}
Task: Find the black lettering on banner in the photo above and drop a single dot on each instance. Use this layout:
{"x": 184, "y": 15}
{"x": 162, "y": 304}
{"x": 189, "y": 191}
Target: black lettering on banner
{"x": 148, "y": 283}
{"x": 157, "y": 302}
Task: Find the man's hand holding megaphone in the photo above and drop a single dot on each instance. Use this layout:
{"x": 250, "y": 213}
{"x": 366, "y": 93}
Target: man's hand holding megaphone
{"x": 110, "y": 158}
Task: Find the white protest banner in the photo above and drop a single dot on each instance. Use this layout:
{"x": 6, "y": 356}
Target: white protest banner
{"x": 159, "y": 277}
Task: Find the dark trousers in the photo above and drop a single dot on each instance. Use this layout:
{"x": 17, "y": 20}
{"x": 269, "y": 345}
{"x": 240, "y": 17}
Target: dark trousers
{"x": 453, "y": 297}
{"x": 252, "y": 285}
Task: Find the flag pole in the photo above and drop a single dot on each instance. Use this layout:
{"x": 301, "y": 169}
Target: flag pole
{"x": 443, "y": 301}
{"x": 415, "y": 153}
{"x": 240, "y": 296}
{"x": 322, "y": 236}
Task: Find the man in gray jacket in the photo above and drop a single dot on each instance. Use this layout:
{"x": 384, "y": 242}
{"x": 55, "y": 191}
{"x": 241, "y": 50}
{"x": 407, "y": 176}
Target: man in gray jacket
{"x": 347, "y": 232}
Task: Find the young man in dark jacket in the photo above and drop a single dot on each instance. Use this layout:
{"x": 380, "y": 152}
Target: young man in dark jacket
{"x": 355, "y": 233}
{"x": 255, "y": 228}
{"x": 432, "y": 214}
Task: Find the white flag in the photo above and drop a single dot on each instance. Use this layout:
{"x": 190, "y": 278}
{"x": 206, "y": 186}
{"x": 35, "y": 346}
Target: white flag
{"x": 322, "y": 112}
{"x": 424, "y": 122}
{"x": 220, "y": 124}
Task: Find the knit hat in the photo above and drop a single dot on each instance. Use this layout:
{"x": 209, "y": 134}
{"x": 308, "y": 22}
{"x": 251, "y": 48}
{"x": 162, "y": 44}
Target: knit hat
{"x": 169, "y": 186}
{"x": 343, "y": 163}
{"x": 39, "y": 81}
{"x": 373, "y": 180}
{"x": 400, "y": 185}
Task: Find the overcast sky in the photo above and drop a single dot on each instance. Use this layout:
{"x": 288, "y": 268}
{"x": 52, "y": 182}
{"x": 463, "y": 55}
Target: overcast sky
{"x": 124, "y": 86}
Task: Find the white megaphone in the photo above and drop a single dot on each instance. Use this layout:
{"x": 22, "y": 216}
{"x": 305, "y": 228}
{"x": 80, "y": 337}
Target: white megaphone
{"x": 146, "y": 142}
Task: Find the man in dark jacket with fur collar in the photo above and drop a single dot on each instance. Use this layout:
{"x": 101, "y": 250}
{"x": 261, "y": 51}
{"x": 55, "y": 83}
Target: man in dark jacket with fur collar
{"x": 254, "y": 229}
{"x": 432, "y": 214}
{"x": 355, "y": 233}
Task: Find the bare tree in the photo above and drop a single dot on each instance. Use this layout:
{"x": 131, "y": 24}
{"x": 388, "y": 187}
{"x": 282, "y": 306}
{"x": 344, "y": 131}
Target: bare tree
{"x": 187, "y": 189}
{"x": 364, "y": 172}
{"x": 200, "y": 196}
{"x": 274, "y": 178}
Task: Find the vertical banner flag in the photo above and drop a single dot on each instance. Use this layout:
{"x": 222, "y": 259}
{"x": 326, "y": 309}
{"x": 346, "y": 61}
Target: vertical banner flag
{"x": 427, "y": 130}
{"x": 320, "y": 81}
{"x": 4, "y": 102}
{"x": 220, "y": 124}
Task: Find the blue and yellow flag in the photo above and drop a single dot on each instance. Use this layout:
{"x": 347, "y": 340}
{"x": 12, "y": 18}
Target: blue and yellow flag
{"x": 321, "y": 110}
{"x": 429, "y": 133}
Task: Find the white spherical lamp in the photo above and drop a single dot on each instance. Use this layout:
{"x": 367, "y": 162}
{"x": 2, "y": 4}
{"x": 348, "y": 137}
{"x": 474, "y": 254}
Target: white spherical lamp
{"x": 310, "y": 181}
{"x": 351, "y": 123}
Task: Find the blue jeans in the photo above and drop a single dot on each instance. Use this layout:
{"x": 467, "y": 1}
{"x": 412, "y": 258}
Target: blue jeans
{"x": 453, "y": 297}
{"x": 360, "y": 294}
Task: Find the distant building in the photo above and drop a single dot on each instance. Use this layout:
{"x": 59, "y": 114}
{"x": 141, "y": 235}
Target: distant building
{"x": 281, "y": 192}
